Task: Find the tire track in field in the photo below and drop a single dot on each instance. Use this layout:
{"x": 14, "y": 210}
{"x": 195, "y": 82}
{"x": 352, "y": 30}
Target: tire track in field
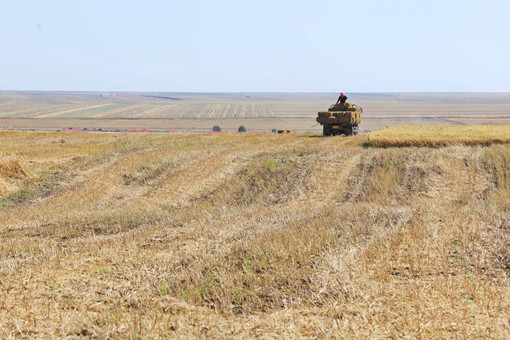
{"x": 165, "y": 243}
{"x": 113, "y": 202}
{"x": 39, "y": 210}
{"x": 197, "y": 179}
{"x": 78, "y": 190}
{"x": 418, "y": 256}
{"x": 235, "y": 225}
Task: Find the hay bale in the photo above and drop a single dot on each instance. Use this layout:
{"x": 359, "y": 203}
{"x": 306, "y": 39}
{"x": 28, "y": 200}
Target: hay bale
{"x": 12, "y": 168}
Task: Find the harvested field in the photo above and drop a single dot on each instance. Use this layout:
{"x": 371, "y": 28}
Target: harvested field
{"x": 158, "y": 235}
{"x": 260, "y": 111}
{"x": 439, "y": 136}
{"x": 94, "y": 111}
{"x": 225, "y": 111}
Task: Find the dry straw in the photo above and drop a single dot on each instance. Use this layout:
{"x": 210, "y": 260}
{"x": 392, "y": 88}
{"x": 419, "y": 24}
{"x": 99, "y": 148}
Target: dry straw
{"x": 439, "y": 135}
{"x": 12, "y": 168}
{"x": 252, "y": 235}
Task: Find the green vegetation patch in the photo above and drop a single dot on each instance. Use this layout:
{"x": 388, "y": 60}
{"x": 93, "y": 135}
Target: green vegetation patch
{"x": 6, "y": 202}
{"x": 90, "y": 112}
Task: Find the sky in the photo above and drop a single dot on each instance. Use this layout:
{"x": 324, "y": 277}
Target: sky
{"x": 255, "y": 46}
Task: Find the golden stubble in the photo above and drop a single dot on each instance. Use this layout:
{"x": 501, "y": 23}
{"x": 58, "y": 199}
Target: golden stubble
{"x": 244, "y": 235}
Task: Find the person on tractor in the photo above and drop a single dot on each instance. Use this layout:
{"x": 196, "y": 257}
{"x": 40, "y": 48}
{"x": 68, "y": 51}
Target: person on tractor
{"x": 342, "y": 98}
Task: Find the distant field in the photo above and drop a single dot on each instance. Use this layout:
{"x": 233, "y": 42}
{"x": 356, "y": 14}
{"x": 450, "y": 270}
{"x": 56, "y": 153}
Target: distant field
{"x": 230, "y": 235}
{"x": 440, "y": 136}
{"x": 266, "y": 111}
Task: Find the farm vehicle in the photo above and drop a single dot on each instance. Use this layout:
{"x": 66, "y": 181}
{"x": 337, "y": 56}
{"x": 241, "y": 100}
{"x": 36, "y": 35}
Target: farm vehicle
{"x": 341, "y": 118}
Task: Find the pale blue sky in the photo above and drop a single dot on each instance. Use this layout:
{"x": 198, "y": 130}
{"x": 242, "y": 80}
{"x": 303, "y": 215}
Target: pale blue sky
{"x": 215, "y": 46}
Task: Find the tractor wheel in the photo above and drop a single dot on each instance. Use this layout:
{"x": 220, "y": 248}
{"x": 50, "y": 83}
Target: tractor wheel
{"x": 326, "y": 130}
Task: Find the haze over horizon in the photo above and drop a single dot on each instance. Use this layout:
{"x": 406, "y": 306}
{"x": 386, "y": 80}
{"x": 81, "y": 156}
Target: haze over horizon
{"x": 227, "y": 46}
